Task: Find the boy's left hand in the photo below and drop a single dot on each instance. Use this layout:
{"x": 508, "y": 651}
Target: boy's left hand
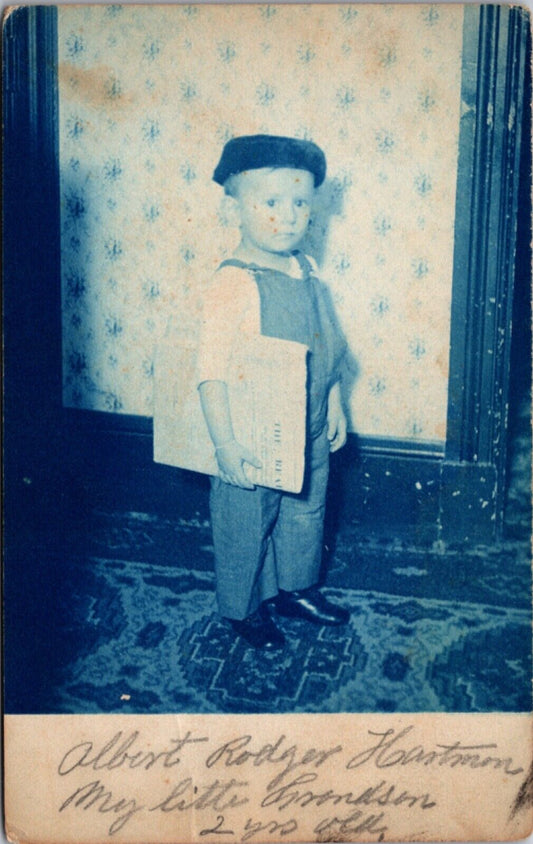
{"x": 337, "y": 427}
{"x": 337, "y": 423}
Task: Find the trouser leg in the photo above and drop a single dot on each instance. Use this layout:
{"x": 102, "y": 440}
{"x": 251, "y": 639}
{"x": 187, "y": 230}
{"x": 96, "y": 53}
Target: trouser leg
{"x": 242, "y": 522}
{"x": 298, "y": 533}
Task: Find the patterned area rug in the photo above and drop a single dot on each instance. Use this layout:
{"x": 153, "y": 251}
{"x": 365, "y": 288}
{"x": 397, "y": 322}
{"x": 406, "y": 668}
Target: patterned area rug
{"x": 428, "y": 632}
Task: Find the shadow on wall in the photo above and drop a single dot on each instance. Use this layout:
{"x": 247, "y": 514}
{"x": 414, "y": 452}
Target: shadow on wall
{"x": 330, "y": 203}
{"x": 89, "y": 329}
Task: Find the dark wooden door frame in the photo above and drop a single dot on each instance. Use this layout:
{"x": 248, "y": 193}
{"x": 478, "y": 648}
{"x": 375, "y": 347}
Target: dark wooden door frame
{"x": 493, "y": 109}
{"x": 34, "y": 443}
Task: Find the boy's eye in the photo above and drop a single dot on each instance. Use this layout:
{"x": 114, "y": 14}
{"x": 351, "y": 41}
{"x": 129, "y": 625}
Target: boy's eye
{"x": 300, "y": 203}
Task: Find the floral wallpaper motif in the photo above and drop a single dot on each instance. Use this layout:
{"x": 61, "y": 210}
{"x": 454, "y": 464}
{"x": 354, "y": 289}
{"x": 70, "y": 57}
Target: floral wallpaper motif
{"x": 148, "y": 96}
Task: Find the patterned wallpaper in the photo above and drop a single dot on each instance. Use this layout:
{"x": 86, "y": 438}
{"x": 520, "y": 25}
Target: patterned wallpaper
{"x": 148, "y": 95}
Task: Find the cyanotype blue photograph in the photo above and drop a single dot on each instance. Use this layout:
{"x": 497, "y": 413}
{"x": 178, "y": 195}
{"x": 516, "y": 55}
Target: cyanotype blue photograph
{"x": 267, "y": 359}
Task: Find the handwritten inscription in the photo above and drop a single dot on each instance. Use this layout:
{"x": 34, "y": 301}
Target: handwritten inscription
{"x": 239, "y": 752}
{"x": 218, "y": 829}
{"x": 218, "y": 796}
{"x": 280, "y": 829}
{"x": 381, "y": 794}
{"x": 94, "y": 795}
{"x": 120, "y": 751}
{"x": 389, "y": 752}
{"x": 293, "y": 794}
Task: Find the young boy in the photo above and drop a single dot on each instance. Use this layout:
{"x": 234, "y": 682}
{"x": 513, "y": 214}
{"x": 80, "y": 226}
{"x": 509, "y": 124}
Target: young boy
{"x": 268, "y": 544}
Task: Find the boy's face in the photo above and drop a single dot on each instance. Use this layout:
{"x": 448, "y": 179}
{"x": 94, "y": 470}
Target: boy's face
{"x": 274, "y": 207}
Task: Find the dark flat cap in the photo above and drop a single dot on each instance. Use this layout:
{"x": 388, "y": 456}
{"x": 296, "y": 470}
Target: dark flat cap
{"x": 251, "y": 152}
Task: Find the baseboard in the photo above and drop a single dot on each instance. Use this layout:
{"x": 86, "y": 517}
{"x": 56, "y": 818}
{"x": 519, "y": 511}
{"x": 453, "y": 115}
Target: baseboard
{"x": 379, "y": 488}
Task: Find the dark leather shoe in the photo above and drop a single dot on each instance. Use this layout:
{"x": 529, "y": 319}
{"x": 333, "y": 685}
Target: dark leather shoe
{"x": 258, "y": 630}
{"x": 310, "y": 605}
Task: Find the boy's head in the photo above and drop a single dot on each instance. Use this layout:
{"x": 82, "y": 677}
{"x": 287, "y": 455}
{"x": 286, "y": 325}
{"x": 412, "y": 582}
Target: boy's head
{"x": 272, "y": 180}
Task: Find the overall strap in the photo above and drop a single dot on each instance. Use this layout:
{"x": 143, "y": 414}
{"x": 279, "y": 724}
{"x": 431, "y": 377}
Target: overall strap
{"x": 235, "y": 262}
{"x": 305, "y": 265}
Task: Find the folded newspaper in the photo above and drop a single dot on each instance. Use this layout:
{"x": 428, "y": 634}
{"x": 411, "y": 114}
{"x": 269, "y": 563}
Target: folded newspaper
{"x": 268, "y": 411}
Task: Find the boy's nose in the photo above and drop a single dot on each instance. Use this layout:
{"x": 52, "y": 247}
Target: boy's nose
{"x": 289, "y": 212}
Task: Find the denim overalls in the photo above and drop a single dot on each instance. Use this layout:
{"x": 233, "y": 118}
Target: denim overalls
{"x": 266, "y": 540}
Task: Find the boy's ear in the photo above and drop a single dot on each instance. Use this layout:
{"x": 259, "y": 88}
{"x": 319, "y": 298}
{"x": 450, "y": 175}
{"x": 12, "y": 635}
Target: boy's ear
{"x": 229, "y": 210}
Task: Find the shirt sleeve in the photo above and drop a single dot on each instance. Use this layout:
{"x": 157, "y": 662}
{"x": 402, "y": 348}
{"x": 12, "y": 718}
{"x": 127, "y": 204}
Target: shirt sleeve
{"x": 230, "y": 312}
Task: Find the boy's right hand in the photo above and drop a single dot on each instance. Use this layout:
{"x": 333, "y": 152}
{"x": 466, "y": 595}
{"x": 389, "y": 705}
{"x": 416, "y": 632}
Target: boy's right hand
{"x": 231, "y": 458}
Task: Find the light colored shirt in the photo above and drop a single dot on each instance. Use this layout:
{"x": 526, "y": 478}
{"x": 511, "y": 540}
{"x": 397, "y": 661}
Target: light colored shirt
{"x": 231, "y": 314}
